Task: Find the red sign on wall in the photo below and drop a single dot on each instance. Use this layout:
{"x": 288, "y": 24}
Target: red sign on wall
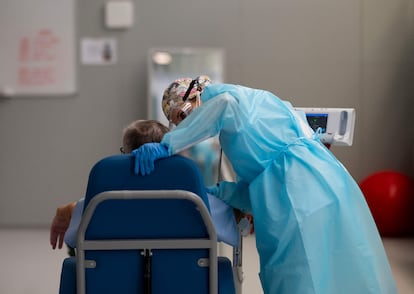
{"x": 38, "y": 58}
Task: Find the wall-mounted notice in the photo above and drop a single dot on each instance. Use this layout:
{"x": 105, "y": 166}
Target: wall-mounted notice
{"x": 38, "y": 48}
{"x": 98, "y": 51}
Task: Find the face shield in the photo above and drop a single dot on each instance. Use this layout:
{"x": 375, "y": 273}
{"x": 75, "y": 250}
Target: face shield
{"x": 182, "y": 97}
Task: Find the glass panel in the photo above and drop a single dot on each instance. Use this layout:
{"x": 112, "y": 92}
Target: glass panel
{"x": 166, "y": 64}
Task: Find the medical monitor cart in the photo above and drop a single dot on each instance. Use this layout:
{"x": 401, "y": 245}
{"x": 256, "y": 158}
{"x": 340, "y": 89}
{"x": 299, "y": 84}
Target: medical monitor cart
{"x": 336, "y": 125}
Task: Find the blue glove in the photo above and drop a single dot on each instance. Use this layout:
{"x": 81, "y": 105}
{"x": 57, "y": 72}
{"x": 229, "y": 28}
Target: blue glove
{"x": 146, "y": 155}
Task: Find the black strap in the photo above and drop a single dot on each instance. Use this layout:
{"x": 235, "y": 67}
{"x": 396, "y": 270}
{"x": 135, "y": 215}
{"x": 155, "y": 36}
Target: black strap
{"x": 219, "y": 173}
{"x": 187, "y": 93}
{"x": 147, "y": 272}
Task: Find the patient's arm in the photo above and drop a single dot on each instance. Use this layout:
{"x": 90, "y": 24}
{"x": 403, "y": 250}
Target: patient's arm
{"x": 60, "y": 224}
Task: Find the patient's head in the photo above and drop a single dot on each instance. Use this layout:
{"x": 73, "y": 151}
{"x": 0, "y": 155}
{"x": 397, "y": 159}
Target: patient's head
{"x": 140, "y": 132}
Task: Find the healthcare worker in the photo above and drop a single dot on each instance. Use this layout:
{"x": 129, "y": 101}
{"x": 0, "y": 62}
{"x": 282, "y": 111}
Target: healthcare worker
{"x": 314, "y": 231}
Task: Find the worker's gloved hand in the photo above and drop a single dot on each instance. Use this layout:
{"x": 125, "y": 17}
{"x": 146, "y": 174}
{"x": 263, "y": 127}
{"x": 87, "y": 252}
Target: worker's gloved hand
{"x": 146, "y": 155}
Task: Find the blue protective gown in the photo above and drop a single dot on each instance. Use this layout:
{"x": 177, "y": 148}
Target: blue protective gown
{"x": 314, "y": 230}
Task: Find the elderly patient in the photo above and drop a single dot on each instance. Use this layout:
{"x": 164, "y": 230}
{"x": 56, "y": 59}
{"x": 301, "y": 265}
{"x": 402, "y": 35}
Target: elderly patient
{"x": 65, "y": 223}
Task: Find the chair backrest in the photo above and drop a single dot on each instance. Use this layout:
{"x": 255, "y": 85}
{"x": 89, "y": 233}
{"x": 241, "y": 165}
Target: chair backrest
{"x": 146, "y": 234}
{"x": 116, "y": 173}
{"x": 172, "y": 173}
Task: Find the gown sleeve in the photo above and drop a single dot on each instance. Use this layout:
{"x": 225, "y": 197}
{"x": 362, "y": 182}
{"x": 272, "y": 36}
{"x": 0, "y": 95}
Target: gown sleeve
{"x": 204, "y": 122}
{"x": 219, "y": 112}
{"x": 235, "y": 195}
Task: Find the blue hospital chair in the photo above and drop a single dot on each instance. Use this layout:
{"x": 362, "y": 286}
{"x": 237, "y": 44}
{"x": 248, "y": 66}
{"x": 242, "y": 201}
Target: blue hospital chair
{"x": 146, "y": 234}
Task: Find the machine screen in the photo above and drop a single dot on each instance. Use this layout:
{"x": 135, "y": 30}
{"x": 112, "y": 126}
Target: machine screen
{"x": 317, "y": 120}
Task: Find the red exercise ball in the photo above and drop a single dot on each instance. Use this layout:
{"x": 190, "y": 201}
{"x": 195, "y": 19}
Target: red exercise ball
{"x": 390, "y": 197}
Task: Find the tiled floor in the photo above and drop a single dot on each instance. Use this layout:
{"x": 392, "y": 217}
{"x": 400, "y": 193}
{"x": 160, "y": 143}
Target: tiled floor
{"x": 29, "y": 266}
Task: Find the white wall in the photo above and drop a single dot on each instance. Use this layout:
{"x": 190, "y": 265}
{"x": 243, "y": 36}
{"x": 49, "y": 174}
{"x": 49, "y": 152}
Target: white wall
{"x": 354, "y": 53}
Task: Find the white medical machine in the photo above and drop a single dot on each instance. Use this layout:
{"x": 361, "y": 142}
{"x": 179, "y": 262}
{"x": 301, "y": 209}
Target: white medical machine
{"x": 336, "y": 124}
